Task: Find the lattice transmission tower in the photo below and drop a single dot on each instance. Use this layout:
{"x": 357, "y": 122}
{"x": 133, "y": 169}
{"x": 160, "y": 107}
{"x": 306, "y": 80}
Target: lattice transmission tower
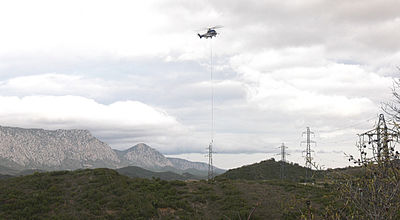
{"x": 283, "y": 160}
{"x": 210, "y": 162}
{"x": 381, "y": 140}
{"x": 308, "y": 151}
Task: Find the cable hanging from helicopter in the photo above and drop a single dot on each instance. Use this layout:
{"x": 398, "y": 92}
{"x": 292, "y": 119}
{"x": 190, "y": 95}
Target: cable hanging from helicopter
{"x": 210, "y": 34}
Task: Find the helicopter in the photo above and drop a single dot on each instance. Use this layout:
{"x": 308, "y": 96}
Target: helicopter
{"x": 210, "y": 32}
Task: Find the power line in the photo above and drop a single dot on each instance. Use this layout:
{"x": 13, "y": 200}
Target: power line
{"x": 337, "y": 141}
{"x": 343, "y": 128}
{"x": 349, "y": 126}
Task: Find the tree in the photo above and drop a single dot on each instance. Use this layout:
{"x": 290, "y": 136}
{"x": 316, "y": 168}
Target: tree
{"x": 373, "y": 192}
{"x": 393, "y": 108}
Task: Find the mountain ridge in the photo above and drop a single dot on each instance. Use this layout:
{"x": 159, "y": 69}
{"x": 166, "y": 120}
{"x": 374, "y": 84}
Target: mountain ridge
{"x": 129, "y": 157}
{"x": 53, "y": 149}
{"x": 142, "y": 154}
{"x": 61, "y": 149}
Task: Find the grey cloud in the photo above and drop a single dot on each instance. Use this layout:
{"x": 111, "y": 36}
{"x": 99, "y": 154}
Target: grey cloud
{"x": 280, "y": 66}
{"x": 353, "y": 27}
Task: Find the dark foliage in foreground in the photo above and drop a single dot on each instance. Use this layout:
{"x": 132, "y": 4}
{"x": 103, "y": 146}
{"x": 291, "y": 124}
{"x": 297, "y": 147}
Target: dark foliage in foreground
{"x": 105, "y": 194}
{"x": 87, "y": 194}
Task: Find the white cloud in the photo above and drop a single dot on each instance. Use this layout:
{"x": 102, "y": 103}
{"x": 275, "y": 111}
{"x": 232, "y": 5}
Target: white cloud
{"x": 55, "y": 84}
{"x": 72, "y": 27}
{"x": 289, "y": 82}
{"x": 131, "y": 119}
{"x": 75, "y": 110}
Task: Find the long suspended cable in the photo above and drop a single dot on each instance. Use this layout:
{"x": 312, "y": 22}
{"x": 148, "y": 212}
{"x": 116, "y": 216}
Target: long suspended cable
{"x": 212, "y": 92}
{"x": 210, "y": 34}
{"x": 346, "y": 140}
{"x": 349, "y": 126}
{"x": 210, "y": 146}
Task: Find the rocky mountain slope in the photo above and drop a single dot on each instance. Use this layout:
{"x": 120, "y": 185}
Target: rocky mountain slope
{"x": 39, "y": 149}
{"x": 183, "y": 164}
{"x": 53, "y": 149}
{"x": 144, "y": 156}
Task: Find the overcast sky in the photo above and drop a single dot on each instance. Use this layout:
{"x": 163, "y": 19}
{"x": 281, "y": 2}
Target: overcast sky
{"x": 136, "y": 71}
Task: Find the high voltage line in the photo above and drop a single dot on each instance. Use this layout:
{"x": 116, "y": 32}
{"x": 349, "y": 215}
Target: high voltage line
{"x": 344, "y": 128}
{"x": 350, "y": 126}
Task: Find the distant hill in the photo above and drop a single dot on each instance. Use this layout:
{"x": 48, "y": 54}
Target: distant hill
{"x": 266, "y": 170}
{"x": 29, "y": 172}
{"x": 5, "y": 176}
{"x": 137, "y": 172}
{"x": 8, "y": 171}
{"x": 193, "y": 167}
{"x": 142, "y": 155}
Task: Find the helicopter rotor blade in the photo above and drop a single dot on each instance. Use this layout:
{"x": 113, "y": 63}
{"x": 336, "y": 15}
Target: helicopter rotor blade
{"x": 201, "y": 29}
{"x": 216, "y": 27}
{"x": 208, "y": 28}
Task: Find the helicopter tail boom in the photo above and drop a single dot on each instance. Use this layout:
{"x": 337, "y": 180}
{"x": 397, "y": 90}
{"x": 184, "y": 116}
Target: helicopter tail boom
{"x": 200, "y": 36}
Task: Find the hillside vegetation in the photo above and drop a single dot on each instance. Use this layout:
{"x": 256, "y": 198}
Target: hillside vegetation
{"x": 137, "y": 172}
{"x": 105, "y": 194}
{"x": 269, "y": 170}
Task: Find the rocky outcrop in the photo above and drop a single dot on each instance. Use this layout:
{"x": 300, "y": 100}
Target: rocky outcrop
{"x": 53, "y": 149}
{"x": 39, "y": 149}
{"x": 183, "y": 164}
{"x": 142, "y": 155}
